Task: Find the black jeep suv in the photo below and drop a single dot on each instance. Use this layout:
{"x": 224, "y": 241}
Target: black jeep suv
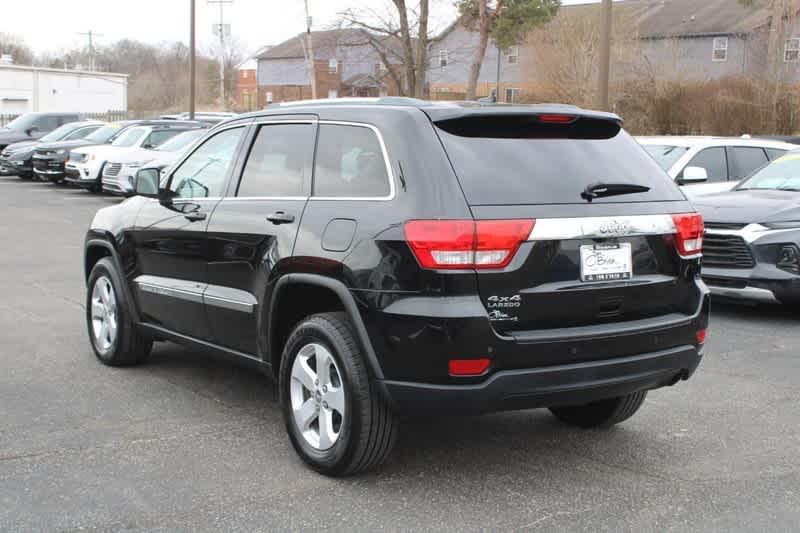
{"x": 397, "y": 256}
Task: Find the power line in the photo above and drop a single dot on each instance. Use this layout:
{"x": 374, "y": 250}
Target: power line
{"x": 92, "y": 53}
{"x": 221, "y": 31}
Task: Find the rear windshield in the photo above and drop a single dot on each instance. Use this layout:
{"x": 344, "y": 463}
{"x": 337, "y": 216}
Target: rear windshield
{"x": 552, "y": 166}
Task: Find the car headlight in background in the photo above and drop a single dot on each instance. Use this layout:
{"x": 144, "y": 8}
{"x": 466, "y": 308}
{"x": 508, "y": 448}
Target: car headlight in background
{"x": 61, "y": 152}
{"x": 789, "y": 258}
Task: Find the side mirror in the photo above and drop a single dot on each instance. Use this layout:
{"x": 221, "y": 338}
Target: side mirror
{"x": 148, "y": 146}
{"x": 146, "y": 182}
{"x": 30, "y": 131}
{"x": 693, "y": 175}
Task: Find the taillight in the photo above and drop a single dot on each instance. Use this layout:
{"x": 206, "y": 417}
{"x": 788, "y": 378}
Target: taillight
{"x": 460, "y": 244}
{"x": 556, "y": 118}
{"x": 701, "y": 336}
{"x": 689, "y": 229}
{"x": 468, "y": 367}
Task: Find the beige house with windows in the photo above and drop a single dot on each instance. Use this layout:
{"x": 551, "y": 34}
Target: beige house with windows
{"x": 687, "y": 39}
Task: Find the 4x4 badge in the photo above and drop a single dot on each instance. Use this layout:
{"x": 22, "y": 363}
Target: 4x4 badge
{"x": 504, "y": 301}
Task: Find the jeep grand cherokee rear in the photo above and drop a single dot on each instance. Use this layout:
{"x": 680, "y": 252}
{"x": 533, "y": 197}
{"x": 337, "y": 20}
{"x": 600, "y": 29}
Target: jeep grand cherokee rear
{"x": 402, "y": 256}
{"x": 585, "y": 258}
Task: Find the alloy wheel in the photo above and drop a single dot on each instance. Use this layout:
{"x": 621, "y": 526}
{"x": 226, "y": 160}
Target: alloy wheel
{"x": 317, "y": 396}
{"x": 104, "y": 314}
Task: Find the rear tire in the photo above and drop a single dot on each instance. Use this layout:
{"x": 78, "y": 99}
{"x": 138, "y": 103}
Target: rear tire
{"x": 112, "y": 333}
{"x": 324, "y": 384}
{"x": 603, "y": 413}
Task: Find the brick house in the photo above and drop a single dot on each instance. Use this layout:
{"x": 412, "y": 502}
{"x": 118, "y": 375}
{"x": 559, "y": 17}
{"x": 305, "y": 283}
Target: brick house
{"x": 246, "y": 85}
{"x": 345, "y": 64}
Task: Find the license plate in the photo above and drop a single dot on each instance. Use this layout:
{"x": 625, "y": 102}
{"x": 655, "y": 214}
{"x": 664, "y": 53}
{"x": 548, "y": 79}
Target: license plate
{"x": 606, "y": 262}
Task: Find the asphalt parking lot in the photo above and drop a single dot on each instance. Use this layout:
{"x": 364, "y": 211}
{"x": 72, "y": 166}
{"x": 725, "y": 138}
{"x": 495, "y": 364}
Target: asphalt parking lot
{"x": 190, "y": 442}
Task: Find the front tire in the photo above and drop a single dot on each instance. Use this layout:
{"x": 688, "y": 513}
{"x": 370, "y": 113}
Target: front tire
{"x": 112, "y": 332}
{"x": 603, "y": 413}
{"x": 337, "y": 420}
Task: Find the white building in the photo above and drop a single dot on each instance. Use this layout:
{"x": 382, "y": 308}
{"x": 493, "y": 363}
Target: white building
{"x": 24, "y": 89}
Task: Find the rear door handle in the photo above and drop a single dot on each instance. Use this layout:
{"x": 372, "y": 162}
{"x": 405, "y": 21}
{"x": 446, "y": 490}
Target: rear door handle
{"x": 195, "y": 216}
{"x": 279, "y": 217}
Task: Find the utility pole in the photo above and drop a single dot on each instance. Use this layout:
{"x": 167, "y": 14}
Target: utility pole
{"x": 221, "y": 29}
{"x": 90, "y": 34}
{"x": 497, "y": 81}
{"x": 309, "y": 49}
{"x": 604, "y": 68}
{"x": 192, "y": 62}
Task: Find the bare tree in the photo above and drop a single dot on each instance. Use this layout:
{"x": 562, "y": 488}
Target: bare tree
{"x": 567, "y": 51}
{"x": 15, "y": 46}
{"x": 399, "y": 35}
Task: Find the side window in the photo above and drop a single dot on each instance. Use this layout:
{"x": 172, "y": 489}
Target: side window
{"x": 746, "y": 159}
{"x": 80, "y": 133}
{"x": 349, "y": 163}
{"x": 48, "y": 123}
{"x": 159, "y": 136}
{"x": 279, "y": 163}
{"x": 66, "y": 119}
{"x": 203, "y": 174}
{"x": 713, "y": 160}
{"x": 775, "y": 153}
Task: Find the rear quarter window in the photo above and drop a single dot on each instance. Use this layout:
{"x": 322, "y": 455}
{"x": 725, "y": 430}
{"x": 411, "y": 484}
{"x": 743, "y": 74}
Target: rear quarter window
{"x": 350, "y": 163}
{"x": 519, "y": 165}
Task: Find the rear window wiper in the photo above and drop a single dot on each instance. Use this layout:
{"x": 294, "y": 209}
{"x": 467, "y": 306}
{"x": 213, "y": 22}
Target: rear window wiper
{"x": 601, "y": 190}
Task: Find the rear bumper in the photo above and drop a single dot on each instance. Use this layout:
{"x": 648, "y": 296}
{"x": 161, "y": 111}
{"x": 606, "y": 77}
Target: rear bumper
{"x": 415, "y": 338}
{"x": 572, "y": 384}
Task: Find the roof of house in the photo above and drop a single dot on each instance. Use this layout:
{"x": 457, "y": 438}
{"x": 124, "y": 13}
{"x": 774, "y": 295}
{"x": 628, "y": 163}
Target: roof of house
{"x": 687, "y": 18}
{"x": 325, "y": 44}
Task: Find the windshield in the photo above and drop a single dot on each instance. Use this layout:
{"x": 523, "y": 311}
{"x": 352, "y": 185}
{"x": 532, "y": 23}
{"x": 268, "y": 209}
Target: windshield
{"x": 58, "y": 133}
{"x": 130, "y": 137}
{"x": 783, "y": 174}
{"x": 23, "y": 122}
{"x": 179, "y": 142}
{"x": 103, "y": 134}
{"x": 665, "y": 155}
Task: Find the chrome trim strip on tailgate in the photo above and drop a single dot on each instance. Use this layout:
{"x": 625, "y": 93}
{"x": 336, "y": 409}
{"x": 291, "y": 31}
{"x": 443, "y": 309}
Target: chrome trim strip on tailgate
{"x": 552, "y": 229}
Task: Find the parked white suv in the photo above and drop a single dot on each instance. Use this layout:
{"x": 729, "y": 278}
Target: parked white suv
{"x": 85, "y": 165}
{"x": 704, "y": 165}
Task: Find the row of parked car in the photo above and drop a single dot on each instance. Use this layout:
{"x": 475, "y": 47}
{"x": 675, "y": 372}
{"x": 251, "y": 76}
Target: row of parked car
{"x": 95, "y": 155}
{"x": 752, "y": 217}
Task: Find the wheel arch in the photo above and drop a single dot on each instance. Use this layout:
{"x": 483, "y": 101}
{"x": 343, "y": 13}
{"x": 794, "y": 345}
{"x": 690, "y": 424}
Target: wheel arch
{"x": 331, "y": 295}
{"x": 95, "y": 250}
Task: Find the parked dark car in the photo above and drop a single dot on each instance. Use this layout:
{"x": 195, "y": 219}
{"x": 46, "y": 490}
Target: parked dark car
{"x": 31, "y": 126}
{"x": 399, "y": 256}
{"x": 753, "y": 235}
{"x": 17, "y": 158}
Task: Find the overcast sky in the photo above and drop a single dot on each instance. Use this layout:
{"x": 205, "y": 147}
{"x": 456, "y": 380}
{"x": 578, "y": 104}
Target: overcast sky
{"x": 53, "y": 25}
